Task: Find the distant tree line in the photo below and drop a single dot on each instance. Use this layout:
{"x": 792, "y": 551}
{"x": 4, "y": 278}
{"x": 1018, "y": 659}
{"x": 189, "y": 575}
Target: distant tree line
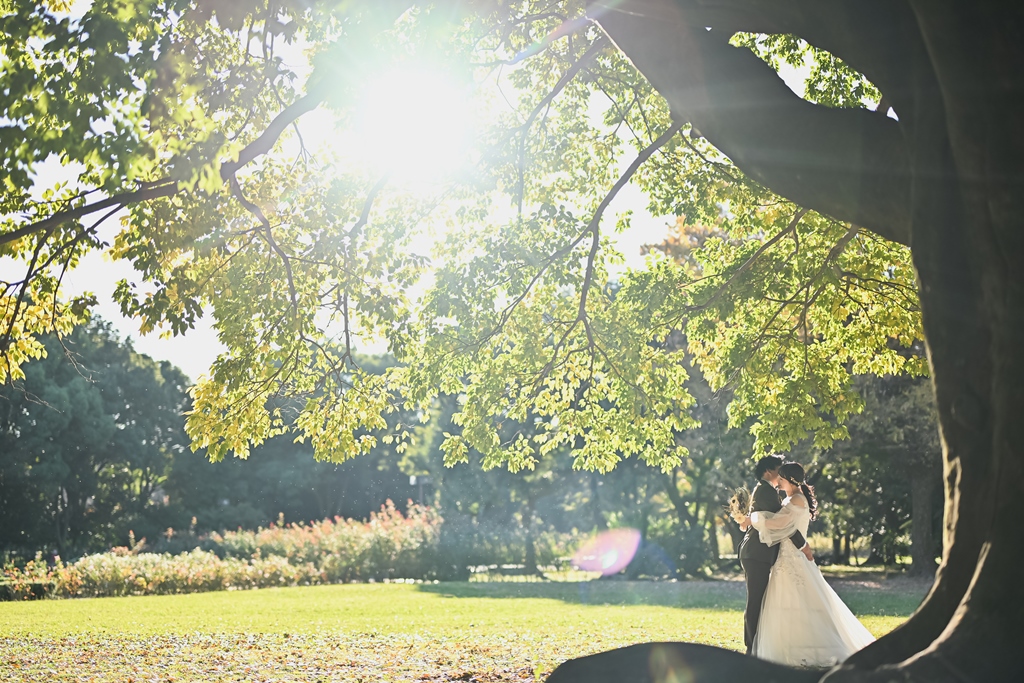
{"x": 92, "y": 449}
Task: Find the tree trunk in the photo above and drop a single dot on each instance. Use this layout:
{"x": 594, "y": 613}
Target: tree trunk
{"x": 712, "y": 520}
{"x": 958, "y": 271}
{"x": 595, "y": 504}
{"x": 530, "y": 559}
{"x": 679, "y": 504}
{"x": 735, "y": 535}
{"x": 876, "y": 552}
{"x": 922, "y": 544}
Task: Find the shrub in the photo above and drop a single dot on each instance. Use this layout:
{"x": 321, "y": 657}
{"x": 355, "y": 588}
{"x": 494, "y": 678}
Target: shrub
{"x": 388, "y": 545}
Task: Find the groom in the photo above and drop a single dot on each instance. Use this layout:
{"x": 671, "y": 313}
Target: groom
{"x": 756, "y": 558}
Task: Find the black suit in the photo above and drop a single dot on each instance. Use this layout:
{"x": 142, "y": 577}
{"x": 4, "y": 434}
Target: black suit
{"x": 757, "y": 559}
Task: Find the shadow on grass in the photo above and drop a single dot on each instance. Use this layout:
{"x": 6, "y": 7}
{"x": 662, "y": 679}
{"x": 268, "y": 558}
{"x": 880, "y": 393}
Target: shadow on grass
{"x": 895, "y": 597}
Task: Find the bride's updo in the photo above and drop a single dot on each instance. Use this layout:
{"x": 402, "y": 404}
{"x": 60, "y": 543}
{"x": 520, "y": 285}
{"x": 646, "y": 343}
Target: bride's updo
{"x": 793, "y": 472}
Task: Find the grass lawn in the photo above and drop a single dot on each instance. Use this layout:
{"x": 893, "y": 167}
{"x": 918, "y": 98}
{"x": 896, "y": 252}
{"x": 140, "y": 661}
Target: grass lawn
{"x": 386, "y": 632}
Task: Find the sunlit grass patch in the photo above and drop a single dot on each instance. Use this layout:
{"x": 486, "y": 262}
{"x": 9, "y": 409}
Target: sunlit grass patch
{"x": 380, "y": 632}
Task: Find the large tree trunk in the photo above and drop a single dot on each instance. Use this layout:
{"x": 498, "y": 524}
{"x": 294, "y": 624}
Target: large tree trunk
{"x": 961, "y": 115}
{"x": 967, "y": 249}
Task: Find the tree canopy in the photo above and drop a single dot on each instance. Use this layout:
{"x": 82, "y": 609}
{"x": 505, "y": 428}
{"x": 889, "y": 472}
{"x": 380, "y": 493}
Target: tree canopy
{"x": 519, "y": 307}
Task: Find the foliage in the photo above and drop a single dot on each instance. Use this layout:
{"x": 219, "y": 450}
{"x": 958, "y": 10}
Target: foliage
{"x": 520, "y": 312}
{"x": 868, "y": 484}
{"x": 121, "y": 573}
{"x": 677, "y": 512}
{"x": 278, "y": 478}
{"x": 86, "y": 439}
{"x": 389, "y": 545}
{"x": 492, "y": 517}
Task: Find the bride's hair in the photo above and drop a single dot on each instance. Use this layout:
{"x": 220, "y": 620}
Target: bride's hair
{"x": 793, "y": 472}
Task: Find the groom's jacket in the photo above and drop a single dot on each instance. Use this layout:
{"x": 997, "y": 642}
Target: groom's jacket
{"x": 764, "y": 499}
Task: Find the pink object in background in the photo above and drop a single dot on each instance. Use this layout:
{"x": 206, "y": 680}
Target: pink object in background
{"x": 609, "y": 552}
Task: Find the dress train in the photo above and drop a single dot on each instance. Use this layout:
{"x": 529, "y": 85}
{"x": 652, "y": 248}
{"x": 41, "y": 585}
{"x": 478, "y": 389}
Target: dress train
{"x": 803, "y": 622}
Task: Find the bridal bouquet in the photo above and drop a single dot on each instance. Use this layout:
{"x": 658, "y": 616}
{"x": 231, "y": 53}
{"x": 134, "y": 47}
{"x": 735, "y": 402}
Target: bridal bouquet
{"x": 739, "y": 504}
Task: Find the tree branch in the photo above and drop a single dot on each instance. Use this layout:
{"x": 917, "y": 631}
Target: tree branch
{"x": 847, "y": 163}
{"x": 745, "y": 266}
{"x": 5, "y": 340}
{"x": 570, "y": 73}
{"x": 364, "y": 216}
{"x": 118, "y": 200}
{"x": 268, "y": 138}
{"x": 166, "y": 187}
{"x": 595, "y": 221}
{"x": 256, "y": 211}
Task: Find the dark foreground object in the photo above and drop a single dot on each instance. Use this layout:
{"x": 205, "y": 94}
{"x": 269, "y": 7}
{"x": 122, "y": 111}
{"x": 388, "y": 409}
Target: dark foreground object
{"x": 677, "y": 663}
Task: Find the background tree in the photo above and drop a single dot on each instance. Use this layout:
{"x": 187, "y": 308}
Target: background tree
{"x": 86, "y": 441}
{"x": 887, "y": 476}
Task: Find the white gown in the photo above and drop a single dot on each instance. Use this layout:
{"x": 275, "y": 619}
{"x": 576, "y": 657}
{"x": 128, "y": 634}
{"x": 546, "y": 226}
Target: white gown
{"x": 803, "y": 622}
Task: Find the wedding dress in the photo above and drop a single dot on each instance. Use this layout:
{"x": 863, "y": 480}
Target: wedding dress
{"x": 803, "y": 622}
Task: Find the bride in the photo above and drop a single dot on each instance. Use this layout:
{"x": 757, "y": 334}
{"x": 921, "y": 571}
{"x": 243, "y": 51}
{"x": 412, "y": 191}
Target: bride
{"x": 803, "y": 621}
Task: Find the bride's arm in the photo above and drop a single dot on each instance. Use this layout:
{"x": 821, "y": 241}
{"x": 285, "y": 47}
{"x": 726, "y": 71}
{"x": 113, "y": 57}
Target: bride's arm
{"x": 775, "y": 527}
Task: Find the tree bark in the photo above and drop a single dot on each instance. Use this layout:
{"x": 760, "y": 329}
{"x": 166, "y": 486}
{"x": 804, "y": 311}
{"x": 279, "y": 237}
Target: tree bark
{"x": 876, "y": 552}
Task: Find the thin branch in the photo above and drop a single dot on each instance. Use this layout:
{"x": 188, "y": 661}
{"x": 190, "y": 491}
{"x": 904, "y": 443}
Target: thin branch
{"x": 5, "y": 340}
{"x": 166, "y": 187}
{"x": 348, "y": 332}
{"x": 595, "y": 221}
{"x": 763, "y": 335}
{"x": 594, "y": 229}
{"x": 268, "y": 138}
{"x": 236, "y": 189}
{"x": 67, "y": 262}
{"x": 753, "y": 258}
{"x": 598, "y": 45}
{"x": 364, "y": 217}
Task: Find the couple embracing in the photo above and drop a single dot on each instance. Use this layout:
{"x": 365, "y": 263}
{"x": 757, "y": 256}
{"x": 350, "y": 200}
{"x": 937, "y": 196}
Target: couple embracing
{"x": 792, "y": 616}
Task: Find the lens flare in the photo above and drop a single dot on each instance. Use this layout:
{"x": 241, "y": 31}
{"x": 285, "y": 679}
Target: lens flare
{"x": 609, "y": 552}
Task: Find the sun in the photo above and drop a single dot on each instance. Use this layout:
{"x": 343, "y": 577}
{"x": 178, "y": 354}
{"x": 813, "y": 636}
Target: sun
{"x": 411, "y": 121}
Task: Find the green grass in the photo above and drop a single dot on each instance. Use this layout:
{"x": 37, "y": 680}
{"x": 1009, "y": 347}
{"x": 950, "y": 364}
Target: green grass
{"x": 495, "y": 631}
